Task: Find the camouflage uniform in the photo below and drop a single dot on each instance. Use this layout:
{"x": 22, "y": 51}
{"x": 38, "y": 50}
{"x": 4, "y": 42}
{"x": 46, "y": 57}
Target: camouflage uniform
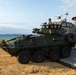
{"x": 49, "y": 21}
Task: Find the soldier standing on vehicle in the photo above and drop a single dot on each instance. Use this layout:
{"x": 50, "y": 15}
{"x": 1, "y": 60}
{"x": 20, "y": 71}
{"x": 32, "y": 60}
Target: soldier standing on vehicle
{"x": 49, "y": 21}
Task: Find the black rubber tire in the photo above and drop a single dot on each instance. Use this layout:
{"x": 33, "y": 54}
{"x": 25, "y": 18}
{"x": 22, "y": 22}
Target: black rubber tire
{"x": 38, "y": 56}
{"x": 65, "y": 52}
{"x": 54, "y": 55}
{"x": 24, "y": 57}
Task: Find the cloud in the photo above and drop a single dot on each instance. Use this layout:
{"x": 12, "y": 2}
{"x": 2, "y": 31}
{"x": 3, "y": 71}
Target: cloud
{"x": 17, "y": 25}
{"x": 14, "y": 25}
{"x": 12, "y": 14}
{"x": 68, "y": 5}
{"x": 9, "y": 30}
{"x": 16, "y": 14}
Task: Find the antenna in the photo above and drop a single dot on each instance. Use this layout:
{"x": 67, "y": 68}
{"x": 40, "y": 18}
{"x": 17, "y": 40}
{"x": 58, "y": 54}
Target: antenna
{"x": 66, "y": 15}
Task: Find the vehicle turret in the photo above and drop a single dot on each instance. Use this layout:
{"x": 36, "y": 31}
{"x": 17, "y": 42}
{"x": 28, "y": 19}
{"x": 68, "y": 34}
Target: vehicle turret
{"x": 49, "y": 29}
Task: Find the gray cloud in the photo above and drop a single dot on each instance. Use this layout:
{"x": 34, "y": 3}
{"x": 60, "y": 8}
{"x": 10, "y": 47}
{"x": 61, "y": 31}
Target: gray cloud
{"x": 15, "y": 25}
{"x": 10, "y": 30}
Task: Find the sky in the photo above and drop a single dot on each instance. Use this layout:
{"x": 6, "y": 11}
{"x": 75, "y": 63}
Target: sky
{"x": 21, "y": 16}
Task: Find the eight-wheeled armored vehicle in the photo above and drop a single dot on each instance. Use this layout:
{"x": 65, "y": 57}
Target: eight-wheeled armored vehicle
{"x": 50, "y": 40}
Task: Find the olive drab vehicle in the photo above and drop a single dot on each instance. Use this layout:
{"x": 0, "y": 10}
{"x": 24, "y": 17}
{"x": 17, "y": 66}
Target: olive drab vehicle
{"x": 50, "y": 40}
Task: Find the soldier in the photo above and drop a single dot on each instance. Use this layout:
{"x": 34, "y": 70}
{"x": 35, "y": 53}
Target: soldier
{"x": 49, "y": 21}
{"x": 22, "y": 36}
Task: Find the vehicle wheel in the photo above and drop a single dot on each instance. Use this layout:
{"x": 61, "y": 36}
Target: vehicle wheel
{"x": 38, "y": 56}
{"x": 54, "y": 55}
{"x": 24, "y": 57}
{"x": 65, "y": 52}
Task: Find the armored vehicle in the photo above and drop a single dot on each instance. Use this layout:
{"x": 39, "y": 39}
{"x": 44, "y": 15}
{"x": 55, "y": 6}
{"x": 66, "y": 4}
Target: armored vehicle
{"x": 50, "y": 41}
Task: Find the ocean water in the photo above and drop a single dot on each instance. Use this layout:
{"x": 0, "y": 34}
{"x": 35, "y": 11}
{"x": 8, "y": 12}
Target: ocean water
{"x": 8, "y": 36}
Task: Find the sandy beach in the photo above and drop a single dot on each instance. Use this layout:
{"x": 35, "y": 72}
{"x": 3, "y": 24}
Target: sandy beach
{"x": 10, "y": 66}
